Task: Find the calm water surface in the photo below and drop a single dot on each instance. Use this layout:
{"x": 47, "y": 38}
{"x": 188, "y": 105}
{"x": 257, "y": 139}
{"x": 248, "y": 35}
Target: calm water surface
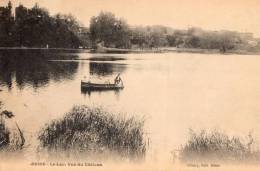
{"x": 172, "y": 91}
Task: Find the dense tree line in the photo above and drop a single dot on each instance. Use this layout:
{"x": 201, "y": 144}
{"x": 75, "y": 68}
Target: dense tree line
{"x": 197, "y": 38}
{"x": 36, "y": 28}
{"x": 107, "y": 30}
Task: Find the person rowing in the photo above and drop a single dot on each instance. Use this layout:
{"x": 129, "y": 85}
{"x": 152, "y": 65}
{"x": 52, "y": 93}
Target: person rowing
{"x": 118, "y": 79}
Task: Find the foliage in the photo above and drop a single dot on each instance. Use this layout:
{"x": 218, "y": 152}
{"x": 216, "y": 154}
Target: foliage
{"x": 92, "y": 131}
{"x": 198, "y": 38}
{"x": 217, "y": 146}
{"x": 150, "y": 36}
{"x": 6, "y": 26}
{"x": 36, "y": 28}
{"x": 109, "y": 30}
{"x": 4, "y": 133}
{"x": 9, "y": 140}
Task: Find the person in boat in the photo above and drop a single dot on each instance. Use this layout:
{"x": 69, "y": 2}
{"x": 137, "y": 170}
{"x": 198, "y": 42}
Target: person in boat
{"x": 117, "y": 79}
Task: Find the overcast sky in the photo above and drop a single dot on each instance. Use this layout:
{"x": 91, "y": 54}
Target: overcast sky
{"x": 240, "y": 15}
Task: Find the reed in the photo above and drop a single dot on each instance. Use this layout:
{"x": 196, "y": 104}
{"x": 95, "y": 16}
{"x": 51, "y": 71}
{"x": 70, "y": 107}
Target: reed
{"x": 4, "y": 136}
{"x": 217, "y": 146}
{"x": 9, "y": 140}
{"x": 93, "y": 131}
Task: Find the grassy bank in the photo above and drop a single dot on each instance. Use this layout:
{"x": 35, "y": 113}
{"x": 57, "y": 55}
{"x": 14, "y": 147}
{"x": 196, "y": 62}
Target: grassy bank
{"x": 94, "y": 132}
{"x": 208, "y": 146}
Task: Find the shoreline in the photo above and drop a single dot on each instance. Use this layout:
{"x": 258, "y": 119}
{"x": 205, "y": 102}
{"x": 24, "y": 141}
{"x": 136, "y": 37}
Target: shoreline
{"x": 155, "y": 50}
{"x": 39, "y": 48}
{"x": 173, "y": 50}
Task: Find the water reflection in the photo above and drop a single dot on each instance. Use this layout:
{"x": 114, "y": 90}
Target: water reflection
{"x": 34, "y": 68}
{"x": 106, "y": 58}
{"x": 105, "y": 69}
{"x": 89, "y": 92}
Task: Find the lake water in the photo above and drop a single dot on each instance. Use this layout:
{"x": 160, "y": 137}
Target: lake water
{"x": 172, "y": 91}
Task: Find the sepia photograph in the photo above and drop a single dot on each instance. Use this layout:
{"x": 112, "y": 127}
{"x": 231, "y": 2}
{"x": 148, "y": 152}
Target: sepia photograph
{"x": 130, "y": 85}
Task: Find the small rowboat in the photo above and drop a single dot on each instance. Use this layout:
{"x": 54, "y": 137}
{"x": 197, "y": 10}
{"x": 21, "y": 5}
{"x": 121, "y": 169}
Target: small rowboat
{"x": 96, "y": 86}
{"x": 117, "y": 85}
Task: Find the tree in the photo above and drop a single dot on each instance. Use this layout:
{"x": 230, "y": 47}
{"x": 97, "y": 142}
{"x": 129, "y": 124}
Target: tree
{"x": 139, "y": 37}
{"x": 6, "y": 25}
{"x": 150, "y": 36}
{"x": 171, "y": 39}
{"x": 108, "y": 29}
{"x": 36, "y": 28}
{"x": 228, "y": 40}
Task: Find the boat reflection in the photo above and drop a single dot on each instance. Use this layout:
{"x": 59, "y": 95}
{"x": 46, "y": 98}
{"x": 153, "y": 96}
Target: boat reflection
{"x": 86, "y": 91}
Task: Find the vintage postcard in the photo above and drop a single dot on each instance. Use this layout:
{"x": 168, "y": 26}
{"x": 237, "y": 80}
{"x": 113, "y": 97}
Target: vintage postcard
{"x": 167, "y": 85}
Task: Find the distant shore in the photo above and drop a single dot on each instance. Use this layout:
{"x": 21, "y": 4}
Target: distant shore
{"x": 145, "y": 50}
{"x": 172, "y": 49}
{"x": 40, "y": 48}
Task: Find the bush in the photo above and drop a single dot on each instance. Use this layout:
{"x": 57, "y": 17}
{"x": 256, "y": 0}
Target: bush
{"x": 9, "y": 140}
{"x": 217, "y": 146}
{"x": 4, "y": 136}
{"x": 92, "y": 131}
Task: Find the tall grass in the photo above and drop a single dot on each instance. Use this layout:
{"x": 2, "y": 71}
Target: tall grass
{"x": 217, "y": 146}
{"x": 93, "y": 131}
{"x": 9, "y": 140}
{"x": 4, "y": 136}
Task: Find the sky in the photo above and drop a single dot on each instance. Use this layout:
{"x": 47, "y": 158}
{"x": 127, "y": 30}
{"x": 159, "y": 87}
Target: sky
{"x": 238, "y": 15}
